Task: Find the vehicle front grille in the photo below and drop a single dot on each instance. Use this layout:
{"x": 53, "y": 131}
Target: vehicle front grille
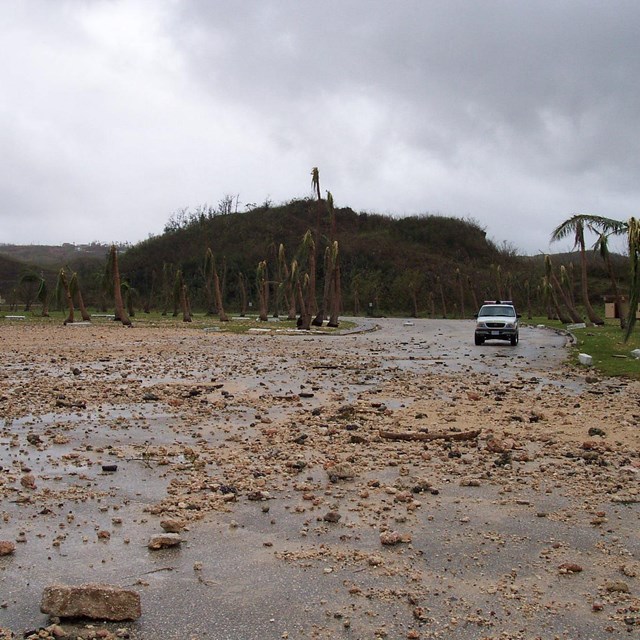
{"x": 495, "y": 325}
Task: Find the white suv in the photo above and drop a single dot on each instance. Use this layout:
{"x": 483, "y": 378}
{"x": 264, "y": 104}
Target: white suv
{"x": 497, "y": 321}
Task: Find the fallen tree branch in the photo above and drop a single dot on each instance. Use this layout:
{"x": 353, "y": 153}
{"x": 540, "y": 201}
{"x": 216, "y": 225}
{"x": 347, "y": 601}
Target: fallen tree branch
{"x": 423, "y": 435}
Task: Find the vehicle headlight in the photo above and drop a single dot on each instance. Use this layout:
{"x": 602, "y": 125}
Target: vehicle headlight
{"x": 510, "y": 325}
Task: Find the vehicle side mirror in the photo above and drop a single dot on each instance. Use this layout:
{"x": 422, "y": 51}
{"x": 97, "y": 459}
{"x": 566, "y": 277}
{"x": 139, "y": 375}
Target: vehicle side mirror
{"x": 475, "y": 315}
{"x": 519, "y": 315}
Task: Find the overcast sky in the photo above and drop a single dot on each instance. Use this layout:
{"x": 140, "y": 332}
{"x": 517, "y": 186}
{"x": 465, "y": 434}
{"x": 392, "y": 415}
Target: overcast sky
{"x": 116, "y": 113}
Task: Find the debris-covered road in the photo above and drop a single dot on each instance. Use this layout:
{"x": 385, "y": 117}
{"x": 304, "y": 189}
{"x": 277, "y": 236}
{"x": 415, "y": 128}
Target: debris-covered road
{"x": 508, "y": 508}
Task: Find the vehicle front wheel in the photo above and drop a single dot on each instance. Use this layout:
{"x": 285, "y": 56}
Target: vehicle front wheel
{"x": 479, "y": 340}
{"x": 514, "y": 340}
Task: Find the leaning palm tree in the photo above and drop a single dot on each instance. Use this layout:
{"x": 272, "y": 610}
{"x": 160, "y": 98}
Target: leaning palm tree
{"x": 575, "y": 226}
{"x": 556, "y": 286}
{"x": 76, "y": 292}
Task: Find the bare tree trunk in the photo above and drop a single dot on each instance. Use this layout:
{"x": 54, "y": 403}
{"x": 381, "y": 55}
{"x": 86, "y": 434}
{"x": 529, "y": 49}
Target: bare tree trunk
{"x": 184, "y": 303}
{"x": 83, "y": 310}
{"x": 117, "y": 291}
{"x": 218, "y": 294}
{"x": 336, "y": 297}
{"x": 304, "y": 322}
{"x": 243, "y": 295}
{"x": 68, "y": 297}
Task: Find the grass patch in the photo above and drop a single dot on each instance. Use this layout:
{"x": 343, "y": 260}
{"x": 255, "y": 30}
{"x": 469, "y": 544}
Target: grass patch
{"x": 605, "y": 344}
{"x": 199, "y": 322}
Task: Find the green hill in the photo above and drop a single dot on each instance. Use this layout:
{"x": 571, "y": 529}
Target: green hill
{"x": 384, "y": 261}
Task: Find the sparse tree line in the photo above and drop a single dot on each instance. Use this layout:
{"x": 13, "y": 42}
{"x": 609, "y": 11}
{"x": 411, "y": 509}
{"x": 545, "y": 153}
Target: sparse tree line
{"x": 321, "y": 278}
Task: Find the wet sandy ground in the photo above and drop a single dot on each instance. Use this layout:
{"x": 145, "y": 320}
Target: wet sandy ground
{"x": 259, "y": 442}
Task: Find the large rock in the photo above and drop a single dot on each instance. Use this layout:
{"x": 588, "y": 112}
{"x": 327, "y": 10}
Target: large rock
{"x": 95, "y": 601}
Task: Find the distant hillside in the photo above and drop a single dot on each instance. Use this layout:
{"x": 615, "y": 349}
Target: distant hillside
{"x": 54, "y": 256}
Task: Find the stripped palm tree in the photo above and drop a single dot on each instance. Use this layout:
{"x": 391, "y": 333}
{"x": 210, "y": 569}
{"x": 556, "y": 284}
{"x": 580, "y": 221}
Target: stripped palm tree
{"x": 43, "y": 297}
{"x": 76, "y": 292}
{"x": 212, "y": 280}
{"x": 299, "y": 283}
{"x": 315, "y": 184}
{"x": 287, "y": 287}
{"x": 262, "y": 287}
{"x": 335, "y": 287}
{"x": 180, "y": 297}
{"x": 575, "y": 226}
{"x": 556, "y": 285}
{"x": 128, "y": 295}
{"x": 113, "y": 278}
{"x": 633, "y": 237}
{"x": 62, "y": 289}
{"x": 309, "y": 248}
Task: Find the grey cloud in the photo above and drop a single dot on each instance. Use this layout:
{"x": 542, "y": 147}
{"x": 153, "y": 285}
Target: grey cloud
{"x": 483, "y": 109}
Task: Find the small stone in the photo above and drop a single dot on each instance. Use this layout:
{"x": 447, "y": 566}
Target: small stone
{"x": 331, "y": 516}
{"x": 6, "y": 548}
{"x": 28, "y": 481}
{"x": 570, "y": 567}
{"x": 164, "y": 541}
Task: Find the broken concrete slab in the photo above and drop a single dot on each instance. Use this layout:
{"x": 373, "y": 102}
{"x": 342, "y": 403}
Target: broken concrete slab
{"x": 95, "y": 601}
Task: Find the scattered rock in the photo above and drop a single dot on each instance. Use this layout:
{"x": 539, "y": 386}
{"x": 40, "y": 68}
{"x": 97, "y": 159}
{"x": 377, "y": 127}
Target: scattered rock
{"x": 6, "y": 548}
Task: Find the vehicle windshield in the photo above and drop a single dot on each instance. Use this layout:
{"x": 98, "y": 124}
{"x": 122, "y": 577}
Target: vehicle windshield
{"x": 498, "y": 310}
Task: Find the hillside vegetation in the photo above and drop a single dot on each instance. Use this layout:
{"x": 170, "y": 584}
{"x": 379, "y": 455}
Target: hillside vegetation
{"x": 416, "y": 265}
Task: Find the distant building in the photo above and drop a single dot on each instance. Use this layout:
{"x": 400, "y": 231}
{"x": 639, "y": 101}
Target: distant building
{"x": 611, "y": 310}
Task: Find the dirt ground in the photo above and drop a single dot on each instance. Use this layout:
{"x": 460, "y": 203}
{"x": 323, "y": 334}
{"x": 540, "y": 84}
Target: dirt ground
{"x": 510, "y": 509}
